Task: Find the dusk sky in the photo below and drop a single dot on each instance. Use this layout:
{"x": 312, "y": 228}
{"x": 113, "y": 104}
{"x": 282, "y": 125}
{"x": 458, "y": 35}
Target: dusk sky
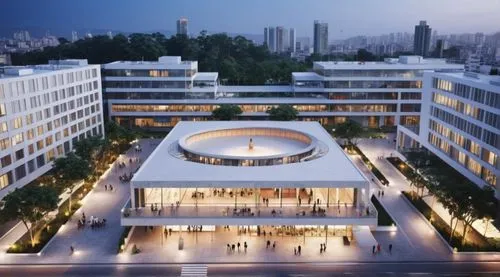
{"x": 345, "y": 18}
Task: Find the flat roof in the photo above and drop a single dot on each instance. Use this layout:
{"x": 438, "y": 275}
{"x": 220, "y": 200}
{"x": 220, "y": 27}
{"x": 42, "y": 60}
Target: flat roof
{"x": 307, "y": 76}
{"x": 490, "y": 80}
{"x": 7, "y": 72}
{"x": 429, "y": 65}
{"x": 206, "y": 76}
{"x": 333, "y": 169}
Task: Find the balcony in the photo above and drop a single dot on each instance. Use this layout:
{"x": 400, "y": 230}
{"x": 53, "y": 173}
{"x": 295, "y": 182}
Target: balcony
{"x": 249, "y": 215}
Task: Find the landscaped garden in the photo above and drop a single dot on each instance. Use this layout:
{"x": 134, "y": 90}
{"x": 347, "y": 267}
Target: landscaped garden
{"x": 429, "y": 176}
{"x": 36, "y": 204}
{"x": 350, "y": 131}
{"x": 384, "y": 219}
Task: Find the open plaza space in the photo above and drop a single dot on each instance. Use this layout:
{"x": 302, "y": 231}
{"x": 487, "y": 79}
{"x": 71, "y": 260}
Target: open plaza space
{"x": 246, "y": 218}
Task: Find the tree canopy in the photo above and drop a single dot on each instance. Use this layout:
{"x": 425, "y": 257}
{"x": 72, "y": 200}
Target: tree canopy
{"x": 69, "y": 170}
{"x": 349, "y": 130}
{"x": 226, "y": 112}
{"x": 29, "y": 204}
{"x": 283, "y": 113}
{"x": 237, "y": 59}
{"x": 88, "y": 148}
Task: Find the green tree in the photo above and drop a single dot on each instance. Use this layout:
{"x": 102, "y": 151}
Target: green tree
{"x": 283, "y": 113}
{"x": 226, "y": 112}
{"x": 349, "y": 130}
{"x": 118, "y": 134}
{"x": 88, "y": 148}
{"x": 91, "y": 150}
{"x": 236, "y": 59}
{"x": 474, "y": 203}
{"x": 29, "y": 204}
{"x": 69, "y": 170}
{"x": 365, "y": 56}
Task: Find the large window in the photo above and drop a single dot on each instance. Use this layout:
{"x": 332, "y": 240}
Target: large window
{"x": 5, "y": 180}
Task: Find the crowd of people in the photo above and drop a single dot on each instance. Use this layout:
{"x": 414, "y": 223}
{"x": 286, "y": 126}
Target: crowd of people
{"x": 231, "y": 248}
{"x": 94, "y": 222}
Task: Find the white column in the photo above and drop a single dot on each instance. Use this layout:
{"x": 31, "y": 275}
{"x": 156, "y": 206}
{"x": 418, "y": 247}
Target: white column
{"x": 132, "y": 197}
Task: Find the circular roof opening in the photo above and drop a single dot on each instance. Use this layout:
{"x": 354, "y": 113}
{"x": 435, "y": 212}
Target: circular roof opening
{"x": 254, "y": 146}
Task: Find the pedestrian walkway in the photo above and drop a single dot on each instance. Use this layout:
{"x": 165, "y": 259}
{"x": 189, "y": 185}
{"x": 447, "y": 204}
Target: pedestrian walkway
{"x": 414, "y": 240}
{"x": 418, "y": 230}
{"x": 420, "y": 235}
{"x": 101, "y": 203}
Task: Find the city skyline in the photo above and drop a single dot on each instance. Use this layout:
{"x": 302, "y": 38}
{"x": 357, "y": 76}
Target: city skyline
{"x": 343, "y": 18}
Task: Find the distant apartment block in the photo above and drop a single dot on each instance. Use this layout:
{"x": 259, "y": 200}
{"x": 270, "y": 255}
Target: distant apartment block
{"x": 182, "y": 26}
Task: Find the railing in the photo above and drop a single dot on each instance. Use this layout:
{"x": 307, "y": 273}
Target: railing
{"x": 250, "y": 211}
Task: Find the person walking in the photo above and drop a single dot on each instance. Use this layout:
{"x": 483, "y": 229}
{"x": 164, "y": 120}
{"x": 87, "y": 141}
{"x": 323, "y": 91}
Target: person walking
{"x": 321, "y": 248}
{"x": 268, "y": 244}
{"x": 239, "y": 246}
{"x": 378, "y": 248}
{"x": 274, "y": 245}
{"x": 246, "y": 246}
{"x": 105, "y": 187}
{"x": 382, "y": 193}
{"x": 390, "y": 248}
{"x": 373, "y": 249}
{"x": 299, "y": 250}
{"x": 324, "y": 247}
{"x": 295, "y": 251}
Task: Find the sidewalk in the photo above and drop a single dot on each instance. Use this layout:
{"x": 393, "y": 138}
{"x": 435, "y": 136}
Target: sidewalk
{"x": 414, "y": 240}
{"x": 98, "y": 203}
{"x": 409, "y": 222}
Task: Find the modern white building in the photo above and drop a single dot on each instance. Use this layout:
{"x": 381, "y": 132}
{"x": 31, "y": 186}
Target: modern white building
{"x": 375, "y": 94}
{"x": 44, "y": 110}
{"x": 372, "y": 93}
{"x": 460, "y": 123}
{"x": 256, "y": 175}
{"x": 142, "y": 94}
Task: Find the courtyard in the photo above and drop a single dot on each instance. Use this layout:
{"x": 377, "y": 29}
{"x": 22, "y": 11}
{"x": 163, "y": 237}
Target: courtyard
{"x": 414, "y": 239}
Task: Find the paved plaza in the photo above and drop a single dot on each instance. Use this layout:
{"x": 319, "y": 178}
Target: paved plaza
{"x": 414, "y": 240}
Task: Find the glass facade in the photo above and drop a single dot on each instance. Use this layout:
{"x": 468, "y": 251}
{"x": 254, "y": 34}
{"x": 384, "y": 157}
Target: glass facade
{"x": 150, "y": 73}
{"x": 370, "y": 73}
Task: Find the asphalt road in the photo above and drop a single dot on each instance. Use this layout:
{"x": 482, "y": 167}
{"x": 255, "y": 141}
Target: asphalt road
{"x": 249, "y": 270}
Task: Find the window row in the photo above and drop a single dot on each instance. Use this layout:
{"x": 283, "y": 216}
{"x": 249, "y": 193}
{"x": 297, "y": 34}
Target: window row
{"x": 465, "y": 160}
{"x": 150, "y": 73}
{"x": 459, "y": 106}
{"x": 19, "y": 88}
{"x": 264, "y": 108}
{"x": 410, "y": 73}
{"x": 482, "y": 96}
{"x": 458, "y": 122}
{"x": 465, "y": 143}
